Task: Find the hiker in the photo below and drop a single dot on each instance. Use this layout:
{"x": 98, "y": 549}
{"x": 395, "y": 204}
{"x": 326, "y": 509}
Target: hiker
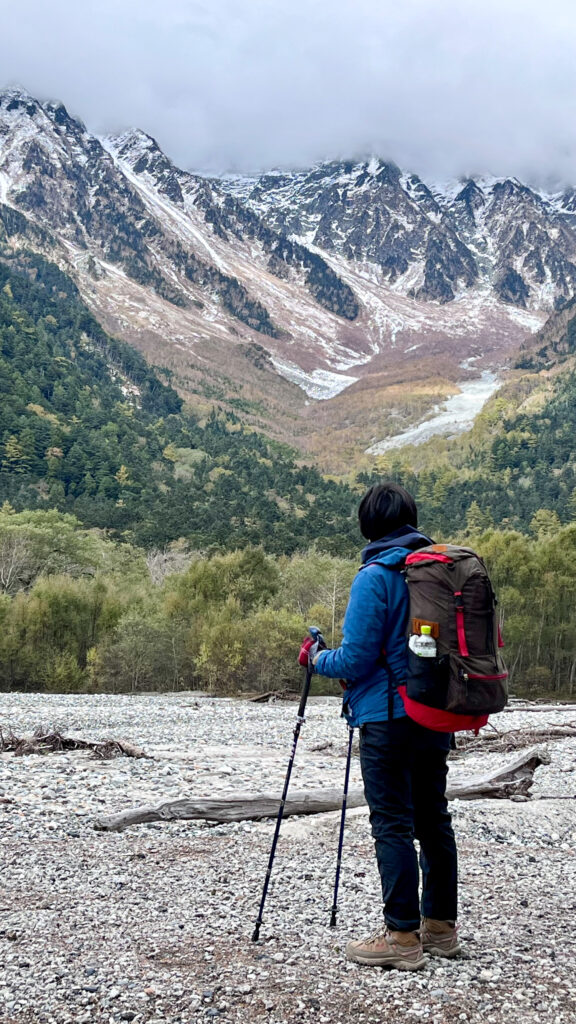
{"x": 403, "y": 764}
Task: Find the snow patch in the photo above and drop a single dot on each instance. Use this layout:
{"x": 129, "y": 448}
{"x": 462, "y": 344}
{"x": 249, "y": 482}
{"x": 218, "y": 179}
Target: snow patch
{"x": 320, "y": 384}
{"x": 452, "y": 417}
{"x": 532, "y": 320}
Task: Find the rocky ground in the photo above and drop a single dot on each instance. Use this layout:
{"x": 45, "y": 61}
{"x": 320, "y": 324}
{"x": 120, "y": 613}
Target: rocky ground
{"x": 154, "y": 925}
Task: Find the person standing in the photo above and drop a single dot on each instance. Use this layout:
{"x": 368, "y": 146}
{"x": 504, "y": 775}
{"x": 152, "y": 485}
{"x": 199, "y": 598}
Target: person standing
{"x": 403, "y": 765}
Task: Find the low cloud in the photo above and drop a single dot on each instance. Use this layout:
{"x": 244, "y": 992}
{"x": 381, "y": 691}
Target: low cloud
{"x": 444, "y": 89}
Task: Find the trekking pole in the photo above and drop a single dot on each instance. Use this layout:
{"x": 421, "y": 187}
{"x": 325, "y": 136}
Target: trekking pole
{"x": 316, "y": 636}
{"x": 342, "y": 821}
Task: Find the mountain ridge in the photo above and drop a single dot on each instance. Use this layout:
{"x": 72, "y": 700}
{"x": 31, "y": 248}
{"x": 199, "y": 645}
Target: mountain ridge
{"x": 340, "y": 283}
{"x": 468, "y": 210}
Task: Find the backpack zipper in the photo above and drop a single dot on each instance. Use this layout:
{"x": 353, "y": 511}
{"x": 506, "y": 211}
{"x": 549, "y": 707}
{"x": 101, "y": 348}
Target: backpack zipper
{"x": 468, "y": 675}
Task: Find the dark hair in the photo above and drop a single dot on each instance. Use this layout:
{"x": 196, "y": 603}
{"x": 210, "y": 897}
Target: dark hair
{"x": 385, "y": 508}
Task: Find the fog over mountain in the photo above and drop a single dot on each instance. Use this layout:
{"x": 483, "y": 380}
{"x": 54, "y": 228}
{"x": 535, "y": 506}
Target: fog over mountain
{"x": 443, "y": 89}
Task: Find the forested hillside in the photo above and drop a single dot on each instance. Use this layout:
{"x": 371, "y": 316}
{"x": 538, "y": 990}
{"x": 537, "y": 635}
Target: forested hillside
{"x": 87, "y": 426}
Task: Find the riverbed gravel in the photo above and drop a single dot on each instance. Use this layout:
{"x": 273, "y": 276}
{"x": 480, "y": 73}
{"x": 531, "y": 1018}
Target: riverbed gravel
{"x": 154, "y": 925}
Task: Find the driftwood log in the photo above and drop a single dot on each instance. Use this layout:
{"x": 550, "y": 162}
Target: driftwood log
{"x": 512, "y": 780}
{"x": 513, "y": 708}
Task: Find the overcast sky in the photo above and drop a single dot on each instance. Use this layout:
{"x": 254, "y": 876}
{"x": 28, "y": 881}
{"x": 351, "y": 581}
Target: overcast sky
{"x": 442, "y": 87}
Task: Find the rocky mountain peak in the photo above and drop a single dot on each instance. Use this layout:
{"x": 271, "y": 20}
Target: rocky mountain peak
{"x": 471, "y": 195}
{"x": 139, "y": 153}
{"x": 63, "y": 120}
{"x": 131, "y": 143}
{"x": 18, "y": 108}
{"x": 16, "y": 99}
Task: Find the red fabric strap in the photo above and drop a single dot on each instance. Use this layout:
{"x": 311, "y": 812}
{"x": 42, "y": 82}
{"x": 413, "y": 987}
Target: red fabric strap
{"x": 304, "y": 652}
{"x": 462, "y": 645}
{"x": 421, "y": 556}
{"x": 500, "y": 640}
{"x": 489, "y": 679}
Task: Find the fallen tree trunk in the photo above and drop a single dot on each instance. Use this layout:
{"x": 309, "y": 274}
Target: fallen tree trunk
{"x": 513, "y": 780}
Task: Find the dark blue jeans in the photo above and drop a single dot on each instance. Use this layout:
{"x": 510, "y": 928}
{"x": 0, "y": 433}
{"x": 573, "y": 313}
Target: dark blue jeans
{"x": 404, "y": 771}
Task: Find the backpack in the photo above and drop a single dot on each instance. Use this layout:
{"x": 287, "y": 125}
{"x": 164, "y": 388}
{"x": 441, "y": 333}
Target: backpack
{"x": 451, "y": 592}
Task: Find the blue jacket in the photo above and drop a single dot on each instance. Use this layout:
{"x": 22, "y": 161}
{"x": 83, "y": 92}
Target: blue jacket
{"x": 375, "y": 620}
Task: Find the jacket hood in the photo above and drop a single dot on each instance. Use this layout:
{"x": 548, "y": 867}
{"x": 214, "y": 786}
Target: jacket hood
{"x": 391, "y": 549}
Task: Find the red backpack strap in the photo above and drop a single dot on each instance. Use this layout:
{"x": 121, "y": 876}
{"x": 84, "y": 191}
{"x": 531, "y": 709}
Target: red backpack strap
{"x": 462, "y": 645}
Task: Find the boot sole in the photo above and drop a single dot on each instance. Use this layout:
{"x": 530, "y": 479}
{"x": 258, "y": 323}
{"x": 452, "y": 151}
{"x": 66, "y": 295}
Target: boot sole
{"x": 400, "y": 965}
{"x": 448, "y": 954}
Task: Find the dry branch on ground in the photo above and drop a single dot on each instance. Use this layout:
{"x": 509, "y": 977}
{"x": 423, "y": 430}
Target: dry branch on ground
{"x": 54, "y": 742}
{"x": 514, "y": 739}
{"x": 273, "y": 695}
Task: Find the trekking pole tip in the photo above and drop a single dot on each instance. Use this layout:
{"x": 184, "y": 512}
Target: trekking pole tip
{"x": 333, "y": 919}
{"x": 256, "y": 933}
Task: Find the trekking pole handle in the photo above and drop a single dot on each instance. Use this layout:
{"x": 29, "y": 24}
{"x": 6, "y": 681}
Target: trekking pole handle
{"x": 318, "y": 639}
{"x": 316, "y": 635}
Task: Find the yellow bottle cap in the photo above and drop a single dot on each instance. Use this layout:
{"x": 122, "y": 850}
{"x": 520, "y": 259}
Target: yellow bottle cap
{"x": 426, "y": 630}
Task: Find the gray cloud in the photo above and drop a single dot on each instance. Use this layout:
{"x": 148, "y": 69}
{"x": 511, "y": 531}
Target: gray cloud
{"x": 445, "y": 88}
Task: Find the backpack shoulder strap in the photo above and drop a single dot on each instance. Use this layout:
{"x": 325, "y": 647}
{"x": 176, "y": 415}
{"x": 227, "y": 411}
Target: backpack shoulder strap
{"x": 392, "y": 681}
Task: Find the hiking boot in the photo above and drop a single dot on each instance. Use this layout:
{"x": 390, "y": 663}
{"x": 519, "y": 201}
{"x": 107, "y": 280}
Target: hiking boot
{"x": 440, "y": 938}
{"x": 388, "y": 949}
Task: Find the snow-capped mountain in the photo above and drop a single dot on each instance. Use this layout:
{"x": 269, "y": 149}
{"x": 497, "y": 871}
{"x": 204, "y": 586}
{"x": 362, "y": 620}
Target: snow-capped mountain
{"x": 265, "y": 290}
{"x": 426, "y": 241}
